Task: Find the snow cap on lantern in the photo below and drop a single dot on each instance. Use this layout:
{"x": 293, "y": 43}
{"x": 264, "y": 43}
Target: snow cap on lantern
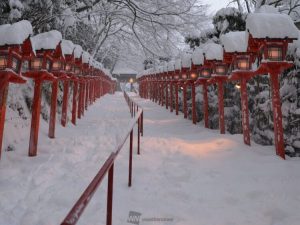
{"x": 171, "y": 66}
{"x": 186, "y": 60}
{"x": 178, "y": 64}
{"x": 67, "y": 47}
{"x": 85, "y": 57}
{"x": 15, "y": 34}
{"x": 77, "y": 51}
{"x": 197, "y": 56}
{"x": 46, "y": 41}
{"x": 234, "y": 41}
{"x": 213, "y": 51}
{"x": 271, "y": 25}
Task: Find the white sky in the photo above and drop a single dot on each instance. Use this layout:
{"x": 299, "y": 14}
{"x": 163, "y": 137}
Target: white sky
{"x": 216, "y": 4}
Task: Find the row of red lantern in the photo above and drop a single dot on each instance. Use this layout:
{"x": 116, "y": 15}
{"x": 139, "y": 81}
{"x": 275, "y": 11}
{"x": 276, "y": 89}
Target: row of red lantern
{"x": 261, "y": 56}
{"x": 20, "y": 60}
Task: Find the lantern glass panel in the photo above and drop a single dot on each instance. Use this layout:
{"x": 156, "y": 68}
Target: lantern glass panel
{"x": 48, "y": 65}
{"x": 68, "y": 67}
{"x": 176, "y": 77}
{"x": 275, "y": 53}
{"x": 3, "y": 62}
{"x": 56, "y": 65}
{"x": 16, "y": 63}
{"x": 243, "y": 64}
{"x": 77, "y": 71}
{"x": 194, "y": 76}
{"x": 220, "y": 70}
{"x": 205, "y": 73}
{"x": 184, "y": 76}
{"x": 36, "y": 64}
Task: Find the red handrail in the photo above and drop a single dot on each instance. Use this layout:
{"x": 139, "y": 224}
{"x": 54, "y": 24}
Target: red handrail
{"x": 108, "y": 167}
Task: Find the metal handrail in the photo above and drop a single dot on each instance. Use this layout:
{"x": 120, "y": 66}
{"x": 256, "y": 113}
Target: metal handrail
{"x": 134, "y": 108}
{"x": 108, "y": 167}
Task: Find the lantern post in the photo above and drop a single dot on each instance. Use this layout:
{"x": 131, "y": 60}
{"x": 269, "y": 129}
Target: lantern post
{"x": 197, "y": 62}
{"x": 39, "y": 67}
{"x": 204, "y": 76}
{"x": 76, "y": 80}
{"x": 213, "y": 54}
{"x": 68, "y": 52}
{"x": 57, "y": 69}
{"x": 171, "y": 70}
{"x": 236, "y": 55}
{"x": 185, "y": 69}
{"x": 177, "y": 83}
{"x": 271, "y": 41}
{"x": 11, "y": 53}
{"x": 84, "y": 90}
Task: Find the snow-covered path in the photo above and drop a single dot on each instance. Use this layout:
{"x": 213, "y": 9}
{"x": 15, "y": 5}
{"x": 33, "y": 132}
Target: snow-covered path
{"x": 197, "y": 176}
{"x": 41, "y": 190}
{"x": 185, "y": 173}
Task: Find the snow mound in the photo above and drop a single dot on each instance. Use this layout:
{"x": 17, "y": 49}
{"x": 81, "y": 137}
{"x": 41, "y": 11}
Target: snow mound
{"x": 16, "y": 33}
{"x": 186, "y": 60}
{"x": 67, "y": 47}
{"x": 85, "y": 57}
{"x": 47, "y": 40}
{"x": 213, "y": 51}
{"x": 272, "y": 25}
{"x": 171, "y": 66}
{"x": 198, "y": 57}
{"x": 165, "y": 67}
{"x": 178, "y": 64}
{"x": 234, "y": 41}
{"x": 77, "y": 51}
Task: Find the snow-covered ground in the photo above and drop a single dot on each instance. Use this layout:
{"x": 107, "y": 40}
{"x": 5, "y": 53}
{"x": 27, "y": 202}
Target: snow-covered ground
{"x": 185, "y": 173}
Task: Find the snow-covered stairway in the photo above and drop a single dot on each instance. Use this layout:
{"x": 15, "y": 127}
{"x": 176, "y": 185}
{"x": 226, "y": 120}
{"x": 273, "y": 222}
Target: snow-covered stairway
{"x": 41, "y": 190}
{"x": 191, "y": 175}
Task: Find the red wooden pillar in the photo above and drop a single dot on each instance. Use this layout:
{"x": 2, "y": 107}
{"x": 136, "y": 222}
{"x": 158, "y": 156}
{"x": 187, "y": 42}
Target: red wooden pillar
{"x": 80, "y": 99}
{"x": 87, "y": 85}
{"x": 245, "y": 111}
{"x": 221, "y": 106}
{"x": 167, "y": 94}
{"x": 3, "y": 97}
{"x": 184, "y": 101}
{"x": 83, "y": 97}
{"x": 194, "y": 115}
{"x": 74, "y": 102}
{"x": 64, "y": 112}
{"x": 162, "y": 93}
{"x": 171, "y": 96}
{"x": 205, "y": 105}
{"x": 35, "y": 120}
{"x": 176, "y": 97}
{"x": 52, "y": 120}
{"x": 91, "y": 97}
{"x": 277, "y": 113}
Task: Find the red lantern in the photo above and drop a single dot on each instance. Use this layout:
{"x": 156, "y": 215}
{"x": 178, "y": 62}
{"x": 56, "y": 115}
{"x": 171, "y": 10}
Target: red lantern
{"x": 40, "y": 67}
{"x": 11, "y": 51}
